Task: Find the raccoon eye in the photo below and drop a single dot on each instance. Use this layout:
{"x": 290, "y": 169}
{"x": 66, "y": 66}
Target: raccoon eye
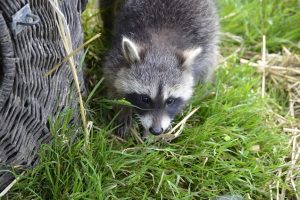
{"x": 145, "y": 99}
{"x": 170, "y": 101}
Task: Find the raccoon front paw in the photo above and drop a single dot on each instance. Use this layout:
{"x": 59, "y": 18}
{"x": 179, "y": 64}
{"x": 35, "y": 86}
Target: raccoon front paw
{"x": 124, "y": 121}
{"x": 122, "y": 130}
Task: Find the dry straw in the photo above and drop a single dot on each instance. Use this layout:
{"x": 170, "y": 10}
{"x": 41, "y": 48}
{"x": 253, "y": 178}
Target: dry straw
{"x": 66, "y": 59}
{"x": 178, "y": 129}
{"x": 283, "y": 70}
{"x": 10, "y": 186}
{"x": 64, "y": 32}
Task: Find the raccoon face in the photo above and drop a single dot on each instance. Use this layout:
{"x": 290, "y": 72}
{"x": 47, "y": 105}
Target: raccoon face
{"x": 155, "y": 114}
{"x": 158, "y": 82}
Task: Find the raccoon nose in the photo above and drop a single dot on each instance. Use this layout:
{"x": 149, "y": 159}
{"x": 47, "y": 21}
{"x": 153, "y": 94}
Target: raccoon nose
{"x": 156, "y": 131}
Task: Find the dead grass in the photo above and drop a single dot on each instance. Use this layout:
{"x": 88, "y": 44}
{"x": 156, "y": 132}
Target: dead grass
{"x": 283, "y": 70}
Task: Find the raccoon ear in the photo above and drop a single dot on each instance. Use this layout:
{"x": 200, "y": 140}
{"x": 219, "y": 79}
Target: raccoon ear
{"x": 187, "y": 57}
{"x": 130, "y": 50}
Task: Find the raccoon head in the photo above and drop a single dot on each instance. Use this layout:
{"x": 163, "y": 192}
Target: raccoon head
{"x": 158, "y": 81}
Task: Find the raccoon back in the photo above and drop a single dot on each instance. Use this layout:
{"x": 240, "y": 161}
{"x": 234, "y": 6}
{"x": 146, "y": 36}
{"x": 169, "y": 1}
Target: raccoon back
{"x": 189, "y": 21}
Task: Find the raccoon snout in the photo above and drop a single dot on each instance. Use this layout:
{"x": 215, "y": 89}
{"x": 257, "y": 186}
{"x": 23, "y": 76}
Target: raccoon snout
{"x": 156, "y": 130}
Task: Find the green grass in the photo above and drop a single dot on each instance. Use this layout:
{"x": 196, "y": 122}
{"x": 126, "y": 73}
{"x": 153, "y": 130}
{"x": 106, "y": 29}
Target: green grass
{"x": 215, "y": 154}
{"x": 232, "y": 145}
{"x": 252, "y": 19}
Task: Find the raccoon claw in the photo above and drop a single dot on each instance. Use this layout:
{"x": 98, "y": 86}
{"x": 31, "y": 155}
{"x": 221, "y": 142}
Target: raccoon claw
{"x": 124, "y": 121}
{"x": 122, "y": 130}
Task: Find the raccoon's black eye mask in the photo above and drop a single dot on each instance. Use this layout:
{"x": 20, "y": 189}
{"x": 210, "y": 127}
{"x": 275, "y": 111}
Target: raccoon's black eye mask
{"x": 144, "y": 104}
{"x": 140, "y": 101}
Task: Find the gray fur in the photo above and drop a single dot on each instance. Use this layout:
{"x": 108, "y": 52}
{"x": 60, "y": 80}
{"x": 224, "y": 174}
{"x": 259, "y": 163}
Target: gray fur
{"x": 163, "y": 31}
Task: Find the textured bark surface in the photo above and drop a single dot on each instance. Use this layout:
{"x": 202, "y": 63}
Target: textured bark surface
{"x": 28, "y": 99}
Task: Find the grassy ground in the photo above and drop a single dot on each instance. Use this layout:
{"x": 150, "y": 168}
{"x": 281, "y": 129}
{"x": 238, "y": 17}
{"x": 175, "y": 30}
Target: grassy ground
{"x": 232, "y": 145}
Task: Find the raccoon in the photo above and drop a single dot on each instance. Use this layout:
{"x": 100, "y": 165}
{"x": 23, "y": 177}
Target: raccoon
{"x": 160, "y": 50}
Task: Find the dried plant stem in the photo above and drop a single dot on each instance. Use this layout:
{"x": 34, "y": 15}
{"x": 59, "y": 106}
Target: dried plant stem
{"x": 72, "y": 54}
{"x": 10, "y": 186}
{"x": 283, "y": 70}
{"x": 177, "y": 130}
{"x": 67, "y": 41}
{"x": 263, "y": 65}
{"x": 135, "y": 134}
